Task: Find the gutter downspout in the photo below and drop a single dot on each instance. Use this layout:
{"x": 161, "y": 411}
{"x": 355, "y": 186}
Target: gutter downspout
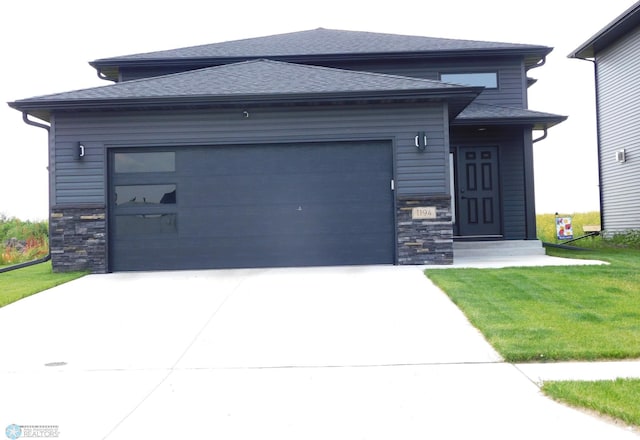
{"x": 597, "y": 90}
{"x": 542, "y": 137}
{"x": 25, "y": 118}
{"x": 540, "y": 63}
{"x": 102, "y": 76}
{"x": 595, "y": 80}
{"x": 530, "y": 195}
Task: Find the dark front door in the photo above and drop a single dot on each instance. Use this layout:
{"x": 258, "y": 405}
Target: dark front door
{"x": 478, "y": 194}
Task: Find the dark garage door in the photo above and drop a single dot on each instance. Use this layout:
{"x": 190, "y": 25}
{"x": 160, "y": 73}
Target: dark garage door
{"x": 251, "y": 206}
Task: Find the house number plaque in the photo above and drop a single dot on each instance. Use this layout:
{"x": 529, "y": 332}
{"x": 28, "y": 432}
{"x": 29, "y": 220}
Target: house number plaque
{"x": 423, "y": 213}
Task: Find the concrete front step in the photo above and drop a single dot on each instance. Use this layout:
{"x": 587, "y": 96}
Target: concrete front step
{"x": 502, "y": 248}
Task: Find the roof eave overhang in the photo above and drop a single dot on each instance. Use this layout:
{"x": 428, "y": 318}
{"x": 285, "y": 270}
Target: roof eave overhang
{"x": 109, "y": 67}
{"x": 540, "y": 123}
{"x": 619, "y": 27}
{"x": 458, "y": 97}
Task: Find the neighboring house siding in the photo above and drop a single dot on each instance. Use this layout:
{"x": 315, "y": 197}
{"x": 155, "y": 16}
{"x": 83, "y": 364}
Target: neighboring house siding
{"x": 512, "y": 178}
{"x": 618, "y": 73}
{"x": 79, "y": 182}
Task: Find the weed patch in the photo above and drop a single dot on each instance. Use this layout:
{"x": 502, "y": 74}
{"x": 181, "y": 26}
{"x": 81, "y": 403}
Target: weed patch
{"x": 22, "y": 241}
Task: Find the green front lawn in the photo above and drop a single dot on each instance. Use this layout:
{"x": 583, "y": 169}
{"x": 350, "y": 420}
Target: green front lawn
{"x": 617, "y": 398}
{"x": 21, "y": 283}
{"x": 554, "y": 313}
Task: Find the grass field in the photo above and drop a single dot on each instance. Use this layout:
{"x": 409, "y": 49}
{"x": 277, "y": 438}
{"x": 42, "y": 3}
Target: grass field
{"x": 21, "y": 283}
{"x": 554, "y": 313}
{"x": 615, "y": 398}
{"x": 563, "y": 313}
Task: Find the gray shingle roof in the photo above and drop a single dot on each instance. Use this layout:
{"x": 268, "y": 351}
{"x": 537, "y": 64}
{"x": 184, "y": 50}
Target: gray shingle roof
{"x": 258, "y": 79}
{"x": 476, "y": 113}
{"x": 324, "y": 42}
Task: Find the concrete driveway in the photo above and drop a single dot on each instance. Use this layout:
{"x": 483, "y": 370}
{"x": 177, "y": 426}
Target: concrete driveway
{"x": 372, "y": 352}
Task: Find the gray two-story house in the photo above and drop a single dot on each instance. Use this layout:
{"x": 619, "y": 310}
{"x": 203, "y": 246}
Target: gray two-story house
{"x": 321, "y": 147}
{"x": 615, "y": 53}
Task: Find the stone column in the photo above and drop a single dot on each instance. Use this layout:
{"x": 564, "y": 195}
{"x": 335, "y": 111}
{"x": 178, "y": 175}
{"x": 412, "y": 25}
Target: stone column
{"x": 425, "y": 236}
{"x": 77, "y": 239}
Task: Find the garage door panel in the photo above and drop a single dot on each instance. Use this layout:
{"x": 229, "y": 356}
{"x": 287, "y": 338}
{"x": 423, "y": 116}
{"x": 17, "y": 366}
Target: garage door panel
{"x": 228, "y": 190}
{"x": 275, "y": 205}
{"x": 252, "y": 220}
{"x": 278, "y": 250}
{"x": 147, "y": 253}
{"x": 268, "y": 159}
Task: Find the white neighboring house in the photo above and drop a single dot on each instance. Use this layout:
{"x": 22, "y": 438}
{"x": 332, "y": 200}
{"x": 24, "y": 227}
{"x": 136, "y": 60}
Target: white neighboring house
{"x": 615, "y": 52}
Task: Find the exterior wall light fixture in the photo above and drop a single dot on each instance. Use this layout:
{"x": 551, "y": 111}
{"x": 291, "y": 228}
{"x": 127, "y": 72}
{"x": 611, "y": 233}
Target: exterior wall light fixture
{"x": 420, "y": 141}
{"x": 80, "y": 151}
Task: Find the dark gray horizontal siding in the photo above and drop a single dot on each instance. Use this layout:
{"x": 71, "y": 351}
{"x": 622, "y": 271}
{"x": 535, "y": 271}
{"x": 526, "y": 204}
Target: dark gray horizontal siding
{"x": 512, "y": 181}
{"x": 619, "y": 117}
{"x": 79, "y": 182}
{"x": 511, "y": 82}
{"x": 513, "y": 188}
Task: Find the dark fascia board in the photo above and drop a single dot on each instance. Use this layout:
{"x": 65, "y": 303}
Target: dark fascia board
{"x": 109, "y": 67}
{"x": 619, "y": 27}
{"x": 536, "y": 123}
{"x": 460, "y": 98}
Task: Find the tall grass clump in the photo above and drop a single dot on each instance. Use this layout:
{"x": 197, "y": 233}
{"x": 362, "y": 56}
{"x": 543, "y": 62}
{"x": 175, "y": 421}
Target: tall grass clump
{"x": 22, "y": 241}
{"x": 629, "y": 239}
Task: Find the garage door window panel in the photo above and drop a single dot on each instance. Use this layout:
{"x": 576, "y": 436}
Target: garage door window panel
{"x": 147, "y": 162}
{"x": 144, "y": 195}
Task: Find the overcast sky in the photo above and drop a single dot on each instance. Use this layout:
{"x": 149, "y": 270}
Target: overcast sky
{"x": 46, "y": 47}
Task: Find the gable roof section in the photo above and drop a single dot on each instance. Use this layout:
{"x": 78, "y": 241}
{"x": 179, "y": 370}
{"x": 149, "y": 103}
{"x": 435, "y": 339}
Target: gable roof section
{"x": 486, "y": 114}
{"x": 252, "y": 82}
{"x": 322, "y": 44}
{"x": 620, "y": 26}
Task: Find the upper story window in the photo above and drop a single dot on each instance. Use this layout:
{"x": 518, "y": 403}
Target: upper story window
{"x": 484, "y": 79}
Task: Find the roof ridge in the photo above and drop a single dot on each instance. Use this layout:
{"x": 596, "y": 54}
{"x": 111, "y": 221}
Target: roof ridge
{"x": 335, "y": 42}
{"x": 432, "y": 38}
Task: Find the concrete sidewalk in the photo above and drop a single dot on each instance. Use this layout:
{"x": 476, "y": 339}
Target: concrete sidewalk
{"x": 372, "y": 352}
{"x": 497, "y": 262}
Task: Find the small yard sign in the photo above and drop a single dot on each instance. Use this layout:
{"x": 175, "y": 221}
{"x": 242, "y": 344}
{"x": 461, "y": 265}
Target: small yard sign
{"x": 564, "y": 229}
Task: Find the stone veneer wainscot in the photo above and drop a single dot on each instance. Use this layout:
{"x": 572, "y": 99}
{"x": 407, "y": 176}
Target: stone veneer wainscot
{"x": 77, "y": 239}
{"x": 425, "y": 241}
